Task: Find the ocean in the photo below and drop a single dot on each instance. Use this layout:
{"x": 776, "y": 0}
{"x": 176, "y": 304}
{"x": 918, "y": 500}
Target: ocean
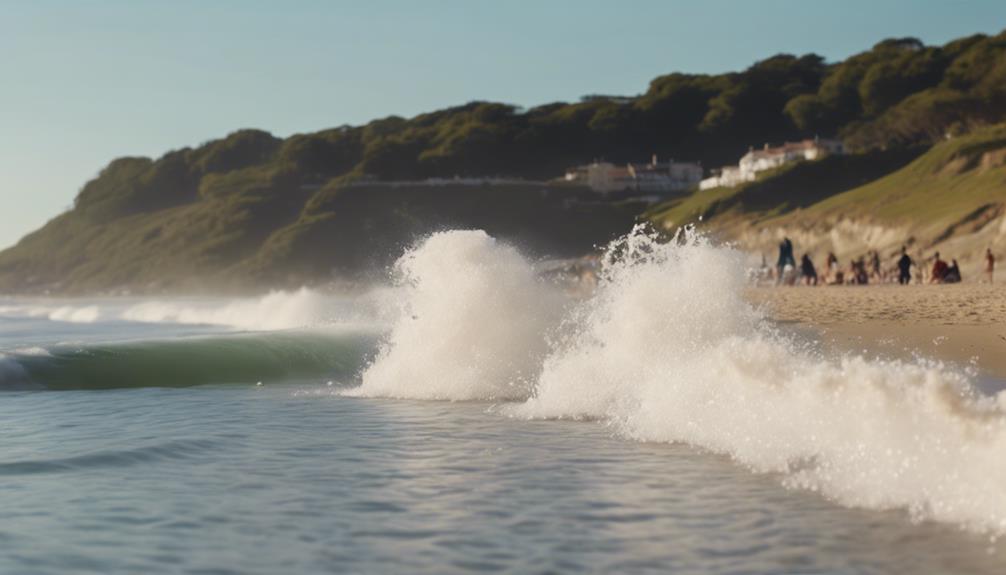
{"x": 470, "y": 416}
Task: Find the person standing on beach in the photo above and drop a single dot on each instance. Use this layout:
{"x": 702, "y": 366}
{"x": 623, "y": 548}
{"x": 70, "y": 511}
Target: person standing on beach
{"x": 833, "y": 274}
{"x": 990, "y": 263}
{"x": 807, "y": 270}
{"x": 940, "y": 268}
{"x": 860, "y": 276}
{"x": 953, "y": 274}
{"x": 785, "y": 258}
{"x": 904, "y": 268}
{"x": 875, "y": 266}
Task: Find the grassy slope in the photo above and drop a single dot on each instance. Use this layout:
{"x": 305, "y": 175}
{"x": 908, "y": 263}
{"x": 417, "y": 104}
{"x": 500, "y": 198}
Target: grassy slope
{"x": 955, "y": 189}
{"x": 780, "y": 191}
{"x": 939, "y": 189}
{"x": 250, "y": 240}
{"x": 540, "y": 220}
{"x": 951, "y": 199}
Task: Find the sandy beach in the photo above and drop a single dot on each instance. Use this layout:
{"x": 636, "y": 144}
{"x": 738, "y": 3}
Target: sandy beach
{"x": 963, "y": 323}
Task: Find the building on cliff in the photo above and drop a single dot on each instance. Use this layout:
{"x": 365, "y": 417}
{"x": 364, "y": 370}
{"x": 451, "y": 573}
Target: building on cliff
{"x": 768, "y": 158}
{"x": 650, "y": 178}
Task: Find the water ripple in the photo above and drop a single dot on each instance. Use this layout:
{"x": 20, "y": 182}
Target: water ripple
{"x": 171, "y": 450}
{"x": 268, "y": 480}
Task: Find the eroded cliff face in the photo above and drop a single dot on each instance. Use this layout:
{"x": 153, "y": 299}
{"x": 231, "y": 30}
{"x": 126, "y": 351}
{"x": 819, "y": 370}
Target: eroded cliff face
{"x": 965, "y": 240}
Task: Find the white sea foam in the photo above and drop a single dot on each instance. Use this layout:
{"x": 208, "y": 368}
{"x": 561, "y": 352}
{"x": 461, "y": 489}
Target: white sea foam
{"x": 75, "y": 314}
{"x": 64, "y": 313}
{"x": 471, "y": 324}
{"x": 276, "y": 310}
{"x": 667, "y": 349}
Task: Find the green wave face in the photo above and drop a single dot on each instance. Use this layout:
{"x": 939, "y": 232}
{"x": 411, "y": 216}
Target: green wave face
{"x": 245, "y": 358}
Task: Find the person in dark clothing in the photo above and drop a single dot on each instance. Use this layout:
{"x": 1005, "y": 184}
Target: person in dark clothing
{"x": 859, "y": 274}
{"x": 953, "y": 274}
{"x": 904, "y": 268}
{"x": 785, "y": 259}
{"x": 807, "y": 270}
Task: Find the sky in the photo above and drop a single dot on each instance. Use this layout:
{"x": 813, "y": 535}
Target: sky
{"x": 86, "y": 81}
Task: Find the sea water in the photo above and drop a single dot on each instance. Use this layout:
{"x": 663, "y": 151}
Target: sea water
{"x": 471, "y": 417}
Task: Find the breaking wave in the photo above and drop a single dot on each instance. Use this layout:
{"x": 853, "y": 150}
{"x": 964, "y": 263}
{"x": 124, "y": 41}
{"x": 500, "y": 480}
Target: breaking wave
{"x": 668, "y": 350}
{"x": 471, "y": 325}
{"x": 185, "y": 362}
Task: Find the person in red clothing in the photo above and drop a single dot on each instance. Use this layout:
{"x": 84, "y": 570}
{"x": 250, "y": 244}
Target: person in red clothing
{"x": 939, "y": 272}
{"x": 990, "y": 264}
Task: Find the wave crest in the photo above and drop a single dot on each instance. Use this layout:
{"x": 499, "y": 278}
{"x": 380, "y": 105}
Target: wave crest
{"x": 471, "y": 324}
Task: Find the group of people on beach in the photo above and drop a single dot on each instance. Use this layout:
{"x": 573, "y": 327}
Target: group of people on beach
{"x": 867, "y": 268}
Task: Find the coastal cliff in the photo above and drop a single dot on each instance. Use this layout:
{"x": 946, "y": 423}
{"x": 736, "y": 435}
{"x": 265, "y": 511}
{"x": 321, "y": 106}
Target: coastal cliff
{"x": 252, "y": 211}
{"x": 949, "y": 198}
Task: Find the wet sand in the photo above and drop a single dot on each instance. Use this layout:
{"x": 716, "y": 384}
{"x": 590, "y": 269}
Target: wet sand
{"x": 964, "y": 323}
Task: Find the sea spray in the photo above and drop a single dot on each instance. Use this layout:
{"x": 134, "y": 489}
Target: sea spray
{"x": 641, "y": 309}
{"x": 668, "y": 350}
{"x": 472, "y": 323}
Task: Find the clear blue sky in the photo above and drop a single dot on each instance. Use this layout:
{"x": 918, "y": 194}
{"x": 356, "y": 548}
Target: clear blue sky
{"x": 86, "y": 81}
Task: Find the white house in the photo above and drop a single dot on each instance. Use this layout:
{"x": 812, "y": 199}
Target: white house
{"x": 727, "y": 176}
{"x": 768, "y": 158}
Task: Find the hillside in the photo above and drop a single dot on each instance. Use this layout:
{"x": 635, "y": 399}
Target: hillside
{"x": 952, "y": 198}
{"x": 251, "y": 211}
{"x": 782, "y": 190}
{"x": 251, "y": 239}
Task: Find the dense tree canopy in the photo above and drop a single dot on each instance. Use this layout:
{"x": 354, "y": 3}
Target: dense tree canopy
{"x": 899, "y": 93}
